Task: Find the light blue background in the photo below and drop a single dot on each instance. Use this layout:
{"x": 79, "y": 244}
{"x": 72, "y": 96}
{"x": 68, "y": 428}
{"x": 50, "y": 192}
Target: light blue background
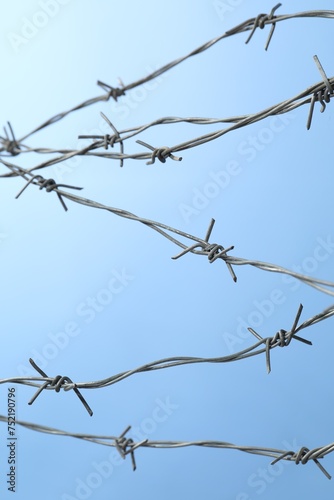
{"x": 275, "y": 209}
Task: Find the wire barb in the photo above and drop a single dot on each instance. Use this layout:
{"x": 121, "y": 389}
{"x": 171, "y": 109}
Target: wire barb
{"x": 113, "y": 92}
{"x": 160, "y": 153}
{"x": 212, "y": 250}
{"x": 282, "y": 338}
{"x": 127, "y": 446}
{"x": 49, "y": 185}
{"x": 107, "y": 140}
{"x": 10, "y": 145}
{"x": 57, "y": 383}
{"x": 323, "y": 95}
{"x": 110, "y": 140}
{"x": 260, "y": 22}
{"x": 302, "y": 456}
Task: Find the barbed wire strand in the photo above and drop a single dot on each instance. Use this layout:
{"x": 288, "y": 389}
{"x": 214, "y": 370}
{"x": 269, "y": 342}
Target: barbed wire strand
{"x": 12, "y": 146}
{"x": 212, "y": 251}
{"x": 126, "y": 445}
{"x": 282, "y": 338}
{"x": 320, "y": 92}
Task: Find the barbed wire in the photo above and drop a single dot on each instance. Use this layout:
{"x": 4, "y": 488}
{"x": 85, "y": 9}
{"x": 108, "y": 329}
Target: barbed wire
{"x": 320, "y": 92}
{"x": 212, "y": 251}
{"x": 12, "y": 146}
{"x": 282, "y": 338}
{"x": 126, "y": 446}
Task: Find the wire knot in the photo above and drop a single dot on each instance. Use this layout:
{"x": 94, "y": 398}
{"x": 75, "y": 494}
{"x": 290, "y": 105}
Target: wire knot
{"x": 114, "y": 92}
{"x": 282, "y": 338}
{"x": 212, "y": 250}
{"x": 49, "y": 185}
{"x": 322, "y": 95}
{"x": 261, "y": 20}
{"x": 161, "y": 153}
{"x": 215, "y": 251}
{"x": 10, "y": 145}
{"x": 302, "y": 456}
{"x": 126, "y": 445}
{"x": 104, "y": 140}
{"x": 57, "y": 383}
{"x": 109, "y": 140}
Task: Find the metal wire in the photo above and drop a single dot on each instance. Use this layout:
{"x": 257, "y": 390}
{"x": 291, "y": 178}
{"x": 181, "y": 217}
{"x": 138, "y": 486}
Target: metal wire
{"x": 212, "y": 251}
{"x": 281, "y": 339}
{"x": 126, "y": 446}
{"x": 13, "y": 146}
{"x": 320, "y": 92}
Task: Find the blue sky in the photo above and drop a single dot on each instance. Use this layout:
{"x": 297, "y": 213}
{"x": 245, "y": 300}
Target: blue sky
{"x": 273, "y": 202}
